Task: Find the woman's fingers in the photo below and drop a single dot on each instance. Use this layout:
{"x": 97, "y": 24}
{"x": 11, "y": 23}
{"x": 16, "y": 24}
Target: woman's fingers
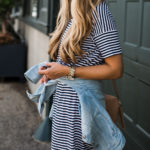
{"x": 42, "y": 70}
{"x": 42, "y": 80}
{"x": 50, "y": 64}
{"x": 45, "y": 79}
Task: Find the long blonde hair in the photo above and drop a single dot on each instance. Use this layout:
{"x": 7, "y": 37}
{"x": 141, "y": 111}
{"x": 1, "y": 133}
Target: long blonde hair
{"x": 81, "y": 13}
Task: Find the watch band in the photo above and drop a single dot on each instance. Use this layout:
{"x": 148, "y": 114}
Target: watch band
{"x": 71, "y": 73}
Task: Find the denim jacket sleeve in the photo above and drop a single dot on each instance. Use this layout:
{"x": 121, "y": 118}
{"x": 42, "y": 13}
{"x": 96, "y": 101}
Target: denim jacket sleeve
{"x": 32, "y": 74}
{"x": 44, "y": 92}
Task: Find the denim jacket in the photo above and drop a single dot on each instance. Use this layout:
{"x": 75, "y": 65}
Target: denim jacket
{"x": 97, "y": 126}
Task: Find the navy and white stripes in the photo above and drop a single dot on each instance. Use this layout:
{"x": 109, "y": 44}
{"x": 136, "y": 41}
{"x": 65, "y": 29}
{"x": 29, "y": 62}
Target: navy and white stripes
{"x": 66, "y": 133}
{"x": 107, "y": 43}
{"x": 103, "y": 42}
{"x": 105, "y": 21}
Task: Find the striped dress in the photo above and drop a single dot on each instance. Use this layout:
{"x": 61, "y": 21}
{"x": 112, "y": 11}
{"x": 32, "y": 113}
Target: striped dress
{"x": 103, "y": 42}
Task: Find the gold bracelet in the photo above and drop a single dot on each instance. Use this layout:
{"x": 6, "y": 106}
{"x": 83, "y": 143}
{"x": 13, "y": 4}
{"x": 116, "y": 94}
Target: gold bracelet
{"x": 71, "y": 74}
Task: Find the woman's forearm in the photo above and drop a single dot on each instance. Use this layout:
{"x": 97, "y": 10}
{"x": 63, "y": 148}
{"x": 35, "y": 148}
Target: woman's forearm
{"x": 112, "y": 69}
{"x": 99, "y": 72}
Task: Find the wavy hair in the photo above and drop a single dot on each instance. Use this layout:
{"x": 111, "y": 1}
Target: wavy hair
{"x": 80, "y": 11}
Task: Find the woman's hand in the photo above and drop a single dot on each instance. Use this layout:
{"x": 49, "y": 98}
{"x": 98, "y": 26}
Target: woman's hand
{"x": 54, "y": 71}
{"x": 44, "y": 79}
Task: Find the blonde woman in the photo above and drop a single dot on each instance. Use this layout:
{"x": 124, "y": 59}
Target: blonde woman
{"x": 85, "y": 37}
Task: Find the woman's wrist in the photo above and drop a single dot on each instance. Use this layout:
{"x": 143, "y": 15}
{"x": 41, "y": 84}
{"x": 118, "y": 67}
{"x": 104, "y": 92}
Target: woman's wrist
{"x": 66, "y": 70}
{"x": 69, "y": 72}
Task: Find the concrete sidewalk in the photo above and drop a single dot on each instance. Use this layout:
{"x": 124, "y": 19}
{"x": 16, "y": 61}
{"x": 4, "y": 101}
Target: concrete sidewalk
{"x": 18, "y": 118}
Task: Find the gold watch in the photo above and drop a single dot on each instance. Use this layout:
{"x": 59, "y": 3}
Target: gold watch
{"x": 71, "y": 73}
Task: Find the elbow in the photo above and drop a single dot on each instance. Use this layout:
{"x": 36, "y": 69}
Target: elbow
{"x": 117, "y": 73}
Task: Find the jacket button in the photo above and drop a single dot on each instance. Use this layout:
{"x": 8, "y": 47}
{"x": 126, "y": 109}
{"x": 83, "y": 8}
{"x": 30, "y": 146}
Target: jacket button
{"x": 83, "y": 136}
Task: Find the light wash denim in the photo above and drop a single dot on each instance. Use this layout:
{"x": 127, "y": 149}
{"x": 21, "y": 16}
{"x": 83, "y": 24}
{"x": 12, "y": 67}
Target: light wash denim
{"x": 97, "y": 126}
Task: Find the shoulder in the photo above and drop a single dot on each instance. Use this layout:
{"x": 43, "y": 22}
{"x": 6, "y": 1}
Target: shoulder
{"x": 104, "y": 19}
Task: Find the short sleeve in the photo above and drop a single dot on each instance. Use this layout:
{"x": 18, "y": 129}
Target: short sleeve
{"x": 105, "y": 34}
